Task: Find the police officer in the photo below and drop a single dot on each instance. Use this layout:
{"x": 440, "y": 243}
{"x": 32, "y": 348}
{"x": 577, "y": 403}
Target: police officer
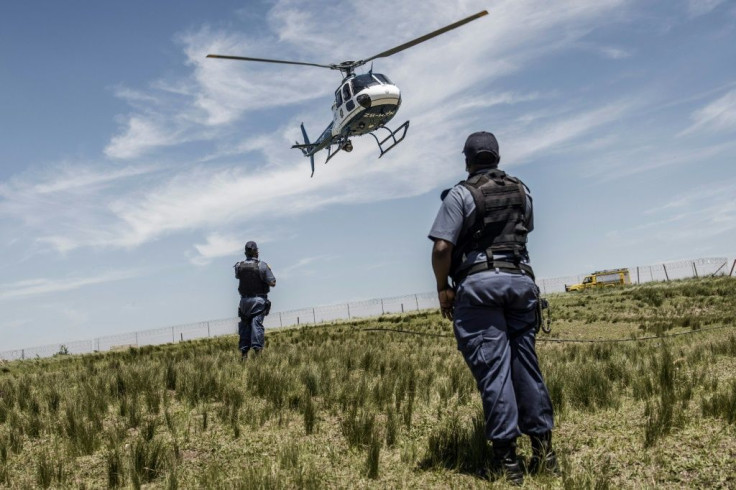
{"x": 256, "y": 280}
{"x": 480, "y": 236}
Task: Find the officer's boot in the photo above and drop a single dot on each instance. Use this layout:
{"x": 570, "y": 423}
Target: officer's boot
{"x": 543, "y": 457}
{"x": 505, "y": 461}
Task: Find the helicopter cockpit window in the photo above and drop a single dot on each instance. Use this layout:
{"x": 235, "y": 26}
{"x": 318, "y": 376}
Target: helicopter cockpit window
{"x": 346, "y": 91}
{"x": 338, "y": 99}
{"x": 361, "y": 82}
{"x": 383, "y": 78}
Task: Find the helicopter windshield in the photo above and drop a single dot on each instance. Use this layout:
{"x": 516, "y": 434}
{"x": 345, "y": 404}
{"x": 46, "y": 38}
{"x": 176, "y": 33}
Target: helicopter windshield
{"x": 363, "y": 81}
{"x": 383, "y": 78}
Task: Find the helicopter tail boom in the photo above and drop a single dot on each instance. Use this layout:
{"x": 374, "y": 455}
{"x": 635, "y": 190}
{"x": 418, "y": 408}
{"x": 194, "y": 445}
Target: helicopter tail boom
{"x": 309, "y": 148}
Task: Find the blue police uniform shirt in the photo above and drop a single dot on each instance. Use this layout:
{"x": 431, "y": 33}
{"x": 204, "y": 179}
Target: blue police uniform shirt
{"x": 265, "y": 271}
{"x": 457, "y": 214}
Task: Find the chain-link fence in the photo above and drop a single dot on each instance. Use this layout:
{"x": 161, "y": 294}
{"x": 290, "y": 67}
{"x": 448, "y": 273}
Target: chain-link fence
{"x": 347, "y": 311}
{"x": 668, "y": 271}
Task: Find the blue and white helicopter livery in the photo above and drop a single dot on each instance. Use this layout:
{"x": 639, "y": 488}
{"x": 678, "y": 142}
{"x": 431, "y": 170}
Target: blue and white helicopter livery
{"x": 363, "y": 103}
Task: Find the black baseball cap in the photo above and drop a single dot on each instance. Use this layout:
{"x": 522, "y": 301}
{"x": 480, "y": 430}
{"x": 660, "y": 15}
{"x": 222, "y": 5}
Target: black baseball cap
{"x": 481, "y": 142}
{"x": 252, "y": 246}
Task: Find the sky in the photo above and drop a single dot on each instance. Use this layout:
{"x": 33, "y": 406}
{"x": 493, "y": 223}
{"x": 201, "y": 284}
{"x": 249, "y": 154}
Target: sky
{"x": 133, "y": 169}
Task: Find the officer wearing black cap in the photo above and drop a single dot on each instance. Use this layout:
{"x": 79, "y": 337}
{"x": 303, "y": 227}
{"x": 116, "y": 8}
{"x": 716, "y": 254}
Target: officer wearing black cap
{"x": 480, "y": 237}
{"x": 256, "y": 280}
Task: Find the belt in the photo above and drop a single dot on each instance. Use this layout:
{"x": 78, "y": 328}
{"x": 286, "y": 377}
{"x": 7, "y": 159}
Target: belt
{"x": 264, "y": 296}
{"x": 497, "y": 265}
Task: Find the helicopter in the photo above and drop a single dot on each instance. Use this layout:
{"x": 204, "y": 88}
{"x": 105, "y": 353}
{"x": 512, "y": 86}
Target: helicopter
{"x": 363, "y": 103}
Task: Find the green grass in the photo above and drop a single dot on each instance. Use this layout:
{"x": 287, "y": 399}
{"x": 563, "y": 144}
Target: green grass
{"x": 335, "y": 406}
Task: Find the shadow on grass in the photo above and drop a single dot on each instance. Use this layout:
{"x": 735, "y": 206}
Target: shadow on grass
{"x": 458, "y": 447}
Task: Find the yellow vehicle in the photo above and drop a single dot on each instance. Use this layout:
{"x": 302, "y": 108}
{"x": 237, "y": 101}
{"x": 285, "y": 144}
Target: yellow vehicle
{"x": 613, "y": 277}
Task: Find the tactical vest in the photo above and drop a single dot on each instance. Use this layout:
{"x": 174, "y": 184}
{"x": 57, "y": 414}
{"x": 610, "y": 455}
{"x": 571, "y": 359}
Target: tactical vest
{"x": 500, "y": 218}
{"x": 249, "y": 274}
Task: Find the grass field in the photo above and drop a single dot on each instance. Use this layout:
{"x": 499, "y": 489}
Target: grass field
{"x": 336, "y": 406}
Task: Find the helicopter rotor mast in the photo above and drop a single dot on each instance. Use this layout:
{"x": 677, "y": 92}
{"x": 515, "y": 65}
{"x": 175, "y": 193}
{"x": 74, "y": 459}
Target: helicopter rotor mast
{"x": 347, "y": 67}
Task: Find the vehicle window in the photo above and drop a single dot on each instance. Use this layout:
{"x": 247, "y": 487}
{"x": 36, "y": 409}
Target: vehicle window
{"x": 588, "y": 280}
{"x": 383, "y": 78}
{"x": 363, "y": 81}
{"x": 338, "y": 98}
{"x": 346, "y": 91}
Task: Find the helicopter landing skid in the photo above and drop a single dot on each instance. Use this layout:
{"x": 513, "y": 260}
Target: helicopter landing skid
{"x": 396, "y": 136}
{"x": 393, "y": 136}
{"x": 331, "y": 154}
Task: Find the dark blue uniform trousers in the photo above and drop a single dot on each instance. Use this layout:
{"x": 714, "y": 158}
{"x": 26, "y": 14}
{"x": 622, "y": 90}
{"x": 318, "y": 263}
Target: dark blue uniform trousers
{"x": 250, "y": 327}
{"x": 495, "y": 319}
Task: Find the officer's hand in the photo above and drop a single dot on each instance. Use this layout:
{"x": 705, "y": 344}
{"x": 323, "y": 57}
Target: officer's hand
{"x": 447, "y": 302}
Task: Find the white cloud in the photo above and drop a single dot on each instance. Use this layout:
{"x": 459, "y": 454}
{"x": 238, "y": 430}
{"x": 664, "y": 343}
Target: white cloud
{"x": 702, "y": 7}
{"x": 525, "y": 142}
{"x": 220, "y": 93}
{"x": 65, "y": 200}
{"x": 141, "y": 134}
{"x": 719, "y": 115}
{"x": 632, "y": 160}
{"x": 615, "y": 53}
{"x": 217, "y": 245}
{"x": 75, "y": 178}
{"x": 207, "y": 104}
{"x": 68, "y": 177}
{"x": 607, "y": 51}
{"x": 302, "y": 266}
{"x": 691, "y": 218}
{"x": 35, "y": 287}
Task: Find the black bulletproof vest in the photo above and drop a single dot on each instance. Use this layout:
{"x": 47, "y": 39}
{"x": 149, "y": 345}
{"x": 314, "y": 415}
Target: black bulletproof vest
{"x": 249, "y": 274}
{"x": 500, "y": 219}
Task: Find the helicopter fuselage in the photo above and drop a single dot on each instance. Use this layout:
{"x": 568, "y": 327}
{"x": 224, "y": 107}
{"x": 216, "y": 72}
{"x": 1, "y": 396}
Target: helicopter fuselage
{"x": 364, "y": 103}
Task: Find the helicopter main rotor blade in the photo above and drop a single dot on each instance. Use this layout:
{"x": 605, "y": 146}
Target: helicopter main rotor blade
{"x": 245, "y": 58}
{"x": 426, "y": 37}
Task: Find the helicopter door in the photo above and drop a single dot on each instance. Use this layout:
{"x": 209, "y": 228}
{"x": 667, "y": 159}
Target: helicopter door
{"x": 338, "y": 98}
{"x": 349, "y": 104}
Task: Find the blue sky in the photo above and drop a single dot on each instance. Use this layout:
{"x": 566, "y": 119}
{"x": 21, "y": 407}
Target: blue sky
{"x": 134, "y": 169}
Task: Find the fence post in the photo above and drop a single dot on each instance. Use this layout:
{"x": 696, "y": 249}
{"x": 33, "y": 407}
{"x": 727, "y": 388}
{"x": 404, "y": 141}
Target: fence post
{"x": 348, "y": 305}
{"x": 402, "y": 307}
{"x": 22, "y": 354}
{"x": 637, "y": 275}
{"x": 382, "y": 312}
{"x": 695, "y": 269}
{"x": 173, "y": 339}
{"x": 297, "y": 321}
{"x": 280, "y": 322}
{"x": 182, "y": 336}
{"x": 417, "y": 300}
{"x": 208, "y": 329}
{"x": 314, "y": 316}
{"x": 734, "y": 265}
{"x": 665, "y": 272}
{"x": 651, "y": 276}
